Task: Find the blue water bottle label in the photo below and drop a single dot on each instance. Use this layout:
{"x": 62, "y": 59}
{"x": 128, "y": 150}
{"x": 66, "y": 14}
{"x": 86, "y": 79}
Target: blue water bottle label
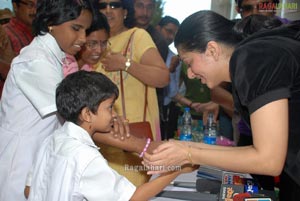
{"x": 209, "y": 139}
{"x": 185, "y": 137}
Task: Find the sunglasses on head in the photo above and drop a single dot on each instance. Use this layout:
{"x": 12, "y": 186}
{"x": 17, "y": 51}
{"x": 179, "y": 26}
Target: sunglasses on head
{"x": 111, "y": 5}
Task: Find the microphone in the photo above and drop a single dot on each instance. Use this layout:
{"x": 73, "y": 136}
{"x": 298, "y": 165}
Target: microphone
{"x": 208, "y": 185}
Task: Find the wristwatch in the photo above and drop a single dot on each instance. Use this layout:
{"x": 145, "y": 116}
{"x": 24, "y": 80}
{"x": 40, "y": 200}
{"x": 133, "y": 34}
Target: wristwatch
{"x": 127, "y": 64}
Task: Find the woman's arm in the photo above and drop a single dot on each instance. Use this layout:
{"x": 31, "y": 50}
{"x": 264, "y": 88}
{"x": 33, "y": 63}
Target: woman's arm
{"x": 151, "y": 69}
{"x": 155, "y": 186}
{"x": 224, "y": 98}
{"x": 267, "y": 155}
{"x": 131, "y": 144}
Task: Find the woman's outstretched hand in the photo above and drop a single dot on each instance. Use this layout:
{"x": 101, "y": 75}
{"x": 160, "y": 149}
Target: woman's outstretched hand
{"x": 169, "y": 156}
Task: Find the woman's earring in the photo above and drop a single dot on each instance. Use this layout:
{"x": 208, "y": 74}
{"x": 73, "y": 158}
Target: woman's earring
{"x": 125, "y": 16}
{"x": 50, "y": 29}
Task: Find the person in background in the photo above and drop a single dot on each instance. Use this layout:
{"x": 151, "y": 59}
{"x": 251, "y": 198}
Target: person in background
{"x": 6, "y": 52}
{"x": 168, "y": 27}
{"x": 19, "y": 28}
{"x": 142, "y": 66}
{"x": 266, "y": 93}
{"x": 6, "y": 55}
{"x": 27, "y": 107}
{"x": 5, "y": 15}
{"x": 96, "y": 44}
{"x": 252, "y": 7}
{"x": 143, "y": 14}
{"x": 68, "y": 164}
{"x": 196, "y": 96}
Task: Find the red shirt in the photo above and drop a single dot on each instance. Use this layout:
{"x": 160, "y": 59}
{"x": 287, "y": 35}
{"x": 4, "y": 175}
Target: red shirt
{"x": 19, "y": 35}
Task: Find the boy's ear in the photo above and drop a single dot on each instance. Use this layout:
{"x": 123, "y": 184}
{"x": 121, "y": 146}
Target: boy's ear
{"x": 85, "y": 115}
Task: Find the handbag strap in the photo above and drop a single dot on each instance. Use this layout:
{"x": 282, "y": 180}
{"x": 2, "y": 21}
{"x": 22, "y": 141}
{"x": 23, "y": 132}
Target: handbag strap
{"x": 126, "y": 51}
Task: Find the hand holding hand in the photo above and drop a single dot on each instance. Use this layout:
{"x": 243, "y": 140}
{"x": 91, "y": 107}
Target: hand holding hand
{"x": 113, "y": 62}
{"x": 166, "y": 157}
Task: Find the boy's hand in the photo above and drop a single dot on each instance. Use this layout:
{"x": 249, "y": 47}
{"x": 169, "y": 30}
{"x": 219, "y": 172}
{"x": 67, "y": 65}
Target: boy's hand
{"x": 120, "y": 128}
{"x": 26, "y": 191}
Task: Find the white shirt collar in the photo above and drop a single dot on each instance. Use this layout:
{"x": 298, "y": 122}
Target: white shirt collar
{"x": 49, "y": 41}
{"x": 78, "y": 133}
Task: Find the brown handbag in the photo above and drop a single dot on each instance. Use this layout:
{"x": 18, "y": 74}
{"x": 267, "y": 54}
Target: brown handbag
{"x": 138, "y": 129}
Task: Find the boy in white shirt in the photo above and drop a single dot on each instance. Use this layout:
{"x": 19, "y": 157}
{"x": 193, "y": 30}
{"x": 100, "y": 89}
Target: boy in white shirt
{"x": 68, "y": 165}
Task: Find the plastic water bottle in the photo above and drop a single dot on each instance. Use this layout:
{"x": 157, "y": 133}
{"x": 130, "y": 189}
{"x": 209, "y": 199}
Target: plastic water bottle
{"x": 210, "y": 131}
{"x": 186, "y": 130}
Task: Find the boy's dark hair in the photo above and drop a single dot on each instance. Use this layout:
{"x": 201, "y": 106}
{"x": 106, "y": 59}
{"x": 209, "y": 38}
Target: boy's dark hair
{"x": 56, "y": 12}
{"x": 168, "y": 19}
{"x": 99, "y": 22}
{"x": 83, "y": 89}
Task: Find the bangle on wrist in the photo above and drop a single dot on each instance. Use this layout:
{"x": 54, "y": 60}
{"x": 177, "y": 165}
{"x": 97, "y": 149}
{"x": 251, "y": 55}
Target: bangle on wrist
{"x": 127, "y": 64}
{"x": 145, "y": 148}
{"x": 190, "y": 105}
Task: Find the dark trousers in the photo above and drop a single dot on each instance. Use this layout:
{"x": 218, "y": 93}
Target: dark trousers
{"x": 169, "y": 121}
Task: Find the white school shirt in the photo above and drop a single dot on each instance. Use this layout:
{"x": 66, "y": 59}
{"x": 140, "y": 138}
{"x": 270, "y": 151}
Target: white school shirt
{"x": 27, "y": 111}
{"x": 69, "y": 167}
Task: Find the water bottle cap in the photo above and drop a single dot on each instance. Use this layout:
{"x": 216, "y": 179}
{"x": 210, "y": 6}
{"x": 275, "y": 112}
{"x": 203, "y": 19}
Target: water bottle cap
{"x": 187, "y": 109}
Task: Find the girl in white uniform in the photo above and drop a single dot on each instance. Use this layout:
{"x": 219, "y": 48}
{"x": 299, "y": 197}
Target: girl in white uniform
{"x": 27, "y": 108}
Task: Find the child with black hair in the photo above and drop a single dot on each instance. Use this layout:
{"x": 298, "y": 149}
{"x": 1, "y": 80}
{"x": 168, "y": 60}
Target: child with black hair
{"x": 68, "y": 165}
{"x": 27, "y": 106}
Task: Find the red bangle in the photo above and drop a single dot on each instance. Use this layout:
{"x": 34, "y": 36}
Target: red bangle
{"x": 190, "y": 105}
{"x": 145, "y": 148}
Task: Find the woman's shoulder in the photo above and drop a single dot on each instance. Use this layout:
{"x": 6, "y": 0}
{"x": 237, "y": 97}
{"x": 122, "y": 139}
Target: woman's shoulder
{"x": 137, "y": 31}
